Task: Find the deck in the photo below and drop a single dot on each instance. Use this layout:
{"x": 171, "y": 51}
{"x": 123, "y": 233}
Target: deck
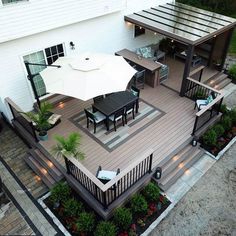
{"x": 164, "y": 135}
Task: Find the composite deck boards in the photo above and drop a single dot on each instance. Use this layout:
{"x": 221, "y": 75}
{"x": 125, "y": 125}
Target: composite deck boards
{"x": 164, "y": 135}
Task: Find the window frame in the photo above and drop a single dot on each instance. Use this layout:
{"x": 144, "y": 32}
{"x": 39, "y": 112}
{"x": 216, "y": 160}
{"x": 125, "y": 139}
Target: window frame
{"x": 13, "y": 3}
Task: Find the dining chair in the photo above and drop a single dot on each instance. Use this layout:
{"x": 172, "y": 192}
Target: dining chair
{"x": 118, "y": 115}
{"x": 139, "y": 79}
{"x": 129, "y": 109}
{"x": 98, "y": 98}
{"x": 95, "y": 118}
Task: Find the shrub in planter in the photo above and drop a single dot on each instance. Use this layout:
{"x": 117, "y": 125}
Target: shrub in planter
{"x": 232, "y": 73}
{"x": 85, "y": 223}
{"x": 224, "y": 109}
{"x": 219, "y": 129}
{"x": 226, "y": 122}
{"x": 72, "y": 207}
{"x": 105, "y": 228}
{"x": 123, "y": 218}
{"x": 59, "y": 193}
{"x": 151, "y": 192}
{"x": 210, "y": 137}
{"x": 139, "y": 204}
{"x": 232, "y": 115}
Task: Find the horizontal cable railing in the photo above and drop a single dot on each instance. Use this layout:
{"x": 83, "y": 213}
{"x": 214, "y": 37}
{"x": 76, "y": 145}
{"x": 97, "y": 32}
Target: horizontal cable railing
{"x": 109, "y": 192}
{"x": 197, "y": 90}
{"x": 19, "y": 116}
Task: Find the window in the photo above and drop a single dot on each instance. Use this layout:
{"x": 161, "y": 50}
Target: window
{"x": 46, "y": 56}
{"x": 4, "y": 2}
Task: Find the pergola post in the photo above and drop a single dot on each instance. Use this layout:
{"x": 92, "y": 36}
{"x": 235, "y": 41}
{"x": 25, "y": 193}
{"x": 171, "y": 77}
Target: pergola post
{"x": 226, "y": 47}
{"x": 187, "y": 67}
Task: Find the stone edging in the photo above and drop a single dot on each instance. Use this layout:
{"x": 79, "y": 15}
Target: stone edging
{"x": 52, "y": 216}
{"x": 221, "y": 153}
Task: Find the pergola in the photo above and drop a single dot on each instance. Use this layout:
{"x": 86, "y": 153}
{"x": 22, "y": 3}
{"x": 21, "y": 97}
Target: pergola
{"x": 190, "y": 26}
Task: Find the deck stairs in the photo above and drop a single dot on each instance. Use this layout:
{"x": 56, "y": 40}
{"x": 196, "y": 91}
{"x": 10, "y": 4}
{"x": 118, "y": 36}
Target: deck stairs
{"x": 43, "y": 166}
{"x": 176, "y": 166}
{"x": 218, "y": 81}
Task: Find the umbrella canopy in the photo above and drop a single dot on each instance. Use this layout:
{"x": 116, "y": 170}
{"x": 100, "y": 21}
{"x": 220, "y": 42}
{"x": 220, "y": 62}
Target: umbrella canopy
{"x": 88, "y": 75}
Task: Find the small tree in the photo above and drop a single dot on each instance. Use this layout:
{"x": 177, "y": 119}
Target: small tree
{"x": 123, "y": 218}
{"x": 68, "y": 146}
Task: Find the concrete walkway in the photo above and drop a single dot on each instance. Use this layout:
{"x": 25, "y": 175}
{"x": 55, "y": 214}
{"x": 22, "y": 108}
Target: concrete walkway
{"x": 19, "y": 194}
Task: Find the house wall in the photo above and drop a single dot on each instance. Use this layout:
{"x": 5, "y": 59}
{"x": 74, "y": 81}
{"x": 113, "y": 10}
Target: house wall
{"x": 107, "y": 33}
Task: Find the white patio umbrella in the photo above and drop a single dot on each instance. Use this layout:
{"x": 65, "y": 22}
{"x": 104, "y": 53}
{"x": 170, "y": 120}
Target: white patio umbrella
{"x": 88, "y": 75}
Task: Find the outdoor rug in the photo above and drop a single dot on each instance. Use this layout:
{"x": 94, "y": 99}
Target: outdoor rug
{"x": 111, "y": 140}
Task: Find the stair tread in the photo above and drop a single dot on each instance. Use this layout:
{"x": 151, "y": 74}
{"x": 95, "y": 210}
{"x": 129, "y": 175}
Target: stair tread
{"x": 45, "y": 163}
{"x": 37, "y": 168}
{"x": 48, "y": 162}
{"x": 223, "y": 83}
{"x": 166, "y": 179}
{"x": 179, "y": 157}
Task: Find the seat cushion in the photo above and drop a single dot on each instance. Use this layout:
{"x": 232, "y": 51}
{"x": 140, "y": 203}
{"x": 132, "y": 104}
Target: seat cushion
{"x": 99, "y": 116}
{"x": 135, "y": 93}
{"x": 146, "y": 52}
{"x": 106, "y": 174}
{"x": 201, "y": 103}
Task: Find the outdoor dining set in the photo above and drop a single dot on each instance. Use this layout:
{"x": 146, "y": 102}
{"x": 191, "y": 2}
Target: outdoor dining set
{"x": 113, "y": 108}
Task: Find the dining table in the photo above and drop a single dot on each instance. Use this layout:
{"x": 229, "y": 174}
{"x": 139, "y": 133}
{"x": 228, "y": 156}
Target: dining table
{"x": 114, "y": 102}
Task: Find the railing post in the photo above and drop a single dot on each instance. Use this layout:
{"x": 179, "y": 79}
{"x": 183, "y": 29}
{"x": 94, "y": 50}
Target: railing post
{"x": 195, "y": 125}
{"x": 200, "y": 76}
{"x": 104, "y": 196}
{"x": 67, "y": 165}
{"x": 150, "y": 164}
{"x": 218, "y": 110}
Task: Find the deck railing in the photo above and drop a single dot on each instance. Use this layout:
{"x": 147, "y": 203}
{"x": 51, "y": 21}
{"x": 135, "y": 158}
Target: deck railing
{"x": 197, "y": 90}
{"x": 21, "y": 118}
{"x": 107, "y": 193}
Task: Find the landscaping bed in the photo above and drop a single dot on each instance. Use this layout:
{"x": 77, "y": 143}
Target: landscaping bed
{"x": 218, "y": 136}
{"x": 131, "y": 220}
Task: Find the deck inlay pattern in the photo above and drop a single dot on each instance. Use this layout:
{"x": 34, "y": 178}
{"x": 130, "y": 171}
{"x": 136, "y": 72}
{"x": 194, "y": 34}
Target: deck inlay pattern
{"x": 111, "y": 140}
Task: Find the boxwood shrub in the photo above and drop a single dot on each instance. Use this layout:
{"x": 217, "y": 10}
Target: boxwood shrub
{"x": 210, "y": 137}
{"x": 122, "y": 218}
{"x": 151, "y": 192}
{"x": 86, "y": 222}
{"x": 219, "y": 129}
{"x": 105, "y": 228}
{"x": 139, "y": 204}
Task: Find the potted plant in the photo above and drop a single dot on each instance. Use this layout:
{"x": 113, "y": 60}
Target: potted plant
{"x": 40, "y": 120}
{"x": 68, "y": 146}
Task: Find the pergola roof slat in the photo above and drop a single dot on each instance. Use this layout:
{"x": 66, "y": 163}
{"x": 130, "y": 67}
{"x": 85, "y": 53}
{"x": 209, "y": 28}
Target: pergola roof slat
{"x": 187, "y": 17}
{"x": 178, "y": 22}
{"x": 182, "y": 22}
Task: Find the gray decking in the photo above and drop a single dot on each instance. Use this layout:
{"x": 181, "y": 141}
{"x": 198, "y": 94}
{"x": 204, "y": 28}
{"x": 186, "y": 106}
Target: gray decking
{"x": 164, "y": 135}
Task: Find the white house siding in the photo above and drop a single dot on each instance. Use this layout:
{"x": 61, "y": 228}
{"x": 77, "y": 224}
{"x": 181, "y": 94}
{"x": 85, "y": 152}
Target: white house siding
{"x": 107, "y": 33}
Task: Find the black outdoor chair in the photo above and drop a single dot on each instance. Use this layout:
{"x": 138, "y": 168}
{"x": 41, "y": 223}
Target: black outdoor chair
{"x": 135, "y": 92}
{"x": 129, "y": 109}
{"x": 98, "y": 98}
{"x": 96, "y": 118}
{"x": 119, "y": 115}
{"x": 139, "y": 79}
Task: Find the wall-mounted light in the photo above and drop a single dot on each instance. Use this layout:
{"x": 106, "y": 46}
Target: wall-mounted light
{"x": 194, "y": 142}
{"x": 72, "y": 45}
